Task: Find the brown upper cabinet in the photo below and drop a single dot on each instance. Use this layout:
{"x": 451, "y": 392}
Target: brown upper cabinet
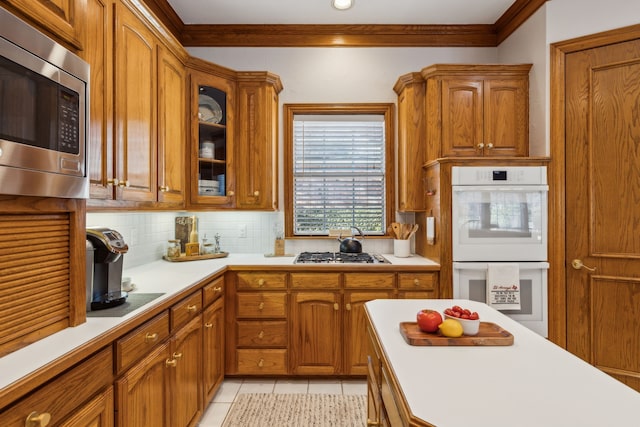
{"x": 477, "y": 110}
{"x": 411, "y": 142}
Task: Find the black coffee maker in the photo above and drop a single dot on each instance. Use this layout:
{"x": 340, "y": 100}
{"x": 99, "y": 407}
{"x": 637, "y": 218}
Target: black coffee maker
{"x": 104, "y": 268}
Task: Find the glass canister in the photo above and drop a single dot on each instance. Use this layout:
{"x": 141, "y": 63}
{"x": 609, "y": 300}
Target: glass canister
{"x": 173, "y": 248}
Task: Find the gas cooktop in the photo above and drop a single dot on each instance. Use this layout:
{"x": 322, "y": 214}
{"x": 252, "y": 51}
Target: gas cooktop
{"x": 339, "y": 258}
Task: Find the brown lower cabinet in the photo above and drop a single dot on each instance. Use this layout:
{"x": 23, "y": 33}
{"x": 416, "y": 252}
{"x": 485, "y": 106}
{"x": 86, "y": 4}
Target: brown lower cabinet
{"x": 308, "y": 323}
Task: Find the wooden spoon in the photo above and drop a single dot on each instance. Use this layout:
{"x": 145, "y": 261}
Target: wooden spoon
{"x": 396, "y": 229}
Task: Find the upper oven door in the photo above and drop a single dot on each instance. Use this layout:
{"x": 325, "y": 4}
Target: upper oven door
{"x": 499, "y": 223}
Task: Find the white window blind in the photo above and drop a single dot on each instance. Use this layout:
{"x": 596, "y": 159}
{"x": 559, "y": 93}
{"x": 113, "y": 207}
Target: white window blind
{"x": 338, "y": 173}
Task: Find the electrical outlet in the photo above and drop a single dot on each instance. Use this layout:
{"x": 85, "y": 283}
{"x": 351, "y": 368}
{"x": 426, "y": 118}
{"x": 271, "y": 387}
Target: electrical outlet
{"x": 242, "y": 231}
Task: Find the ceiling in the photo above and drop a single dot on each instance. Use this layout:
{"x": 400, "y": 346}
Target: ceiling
{"x": 311, "y": 23}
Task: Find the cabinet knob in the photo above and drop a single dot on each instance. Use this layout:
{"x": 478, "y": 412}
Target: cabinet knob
{"x": 151, "y": 337}
{"x": 192, "y": 308}
{"x": 231, "y": 193}
{"x": 123, "y": 183}
{"x": 208, "y": 325}
{"x": 164, "y": 188}
{"x": 113, "y": 181}
{"x": 261, "y": 282}
{"x": 256, "y": 193}
{"x": 416, "y": 282}
{"x": 336, "y": 306}
{"x": 177, "y": 355}
{"x": 36, "y": 419}
{"x": 261, "y": 334}
{"x": 171, "y": 363}
{"x": 260, "y": 306}
{"x": 348, "y": 307}
{"x": 261, "y": 363}
{"x": 481, "y": 146}
{"x": 489, "y": 146}
{"x": 217, "y": 289}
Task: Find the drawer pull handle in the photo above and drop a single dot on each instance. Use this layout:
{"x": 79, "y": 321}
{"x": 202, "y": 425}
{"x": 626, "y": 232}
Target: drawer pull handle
{"x": 151, "y": 337}
{"x": 177, "y": 355}
{"x": 261, "y": 363}
{"x": 348, "y": 307}
{"x": 36, "y": 419}
{"x": 261, "y": 334}
{"x": 192, "y": 308}
{"x": 336, "y": 307}
{"x": 416, "y": 282}
{"x": 217, "y": 289}
{"x": 260, "y": 306}
{"x": 208, "y": 325}
{"x": 171, "y": 363}
{"x": 261, "y": 282}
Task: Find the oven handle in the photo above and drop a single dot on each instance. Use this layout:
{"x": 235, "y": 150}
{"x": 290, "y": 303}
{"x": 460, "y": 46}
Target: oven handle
{"x": 524, "y": 265}
{"x": 520, "y": 188}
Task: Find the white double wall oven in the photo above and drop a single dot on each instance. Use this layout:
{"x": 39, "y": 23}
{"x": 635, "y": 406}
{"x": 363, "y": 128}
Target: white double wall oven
{"x": 499, "y": 219}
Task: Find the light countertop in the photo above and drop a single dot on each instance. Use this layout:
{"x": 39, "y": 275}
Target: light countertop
{"x": 160, "y": 276}
{"x": 531, "y": 383}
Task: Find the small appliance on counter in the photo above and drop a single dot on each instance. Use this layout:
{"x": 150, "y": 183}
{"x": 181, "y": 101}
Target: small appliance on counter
{"x": 105, "y": 250}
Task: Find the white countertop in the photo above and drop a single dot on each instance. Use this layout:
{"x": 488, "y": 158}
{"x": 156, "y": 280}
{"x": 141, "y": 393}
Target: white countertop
{"x": 157, "y": 277}
{"x": 530, "y": 383}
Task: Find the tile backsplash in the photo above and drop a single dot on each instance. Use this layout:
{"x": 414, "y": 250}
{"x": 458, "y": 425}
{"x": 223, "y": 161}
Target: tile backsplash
{"x": 147, "y": 233}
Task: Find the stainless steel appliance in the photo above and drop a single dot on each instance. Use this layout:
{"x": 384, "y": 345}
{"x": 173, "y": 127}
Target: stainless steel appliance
{"x": 499, "y": 219}
{"x": 43, "y": 114}
{"x": 339, "y": 258}
{"x": 104, "y": 290}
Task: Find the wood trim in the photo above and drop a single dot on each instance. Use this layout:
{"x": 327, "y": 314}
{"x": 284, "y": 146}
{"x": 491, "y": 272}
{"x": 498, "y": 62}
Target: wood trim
{"x": 289, "y": 110}
{"x": 479, "y": 35}
{"x": 557, "y": 209}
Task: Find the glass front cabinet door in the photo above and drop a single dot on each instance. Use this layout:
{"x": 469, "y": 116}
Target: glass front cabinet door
{"x": 212, "y": 178}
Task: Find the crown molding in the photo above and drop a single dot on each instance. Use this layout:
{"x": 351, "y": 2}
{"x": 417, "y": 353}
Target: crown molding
{"x": 481, "y": 35}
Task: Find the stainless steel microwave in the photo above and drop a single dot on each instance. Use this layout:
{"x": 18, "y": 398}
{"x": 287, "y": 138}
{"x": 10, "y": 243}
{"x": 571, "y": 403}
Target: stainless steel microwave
{"x": 44, "y": 90}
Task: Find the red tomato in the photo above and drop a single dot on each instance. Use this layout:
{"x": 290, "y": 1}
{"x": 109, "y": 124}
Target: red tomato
{"x": 428, "y": 320}
{"x": 474, "y": 316}
{"x": 456, "y": 308}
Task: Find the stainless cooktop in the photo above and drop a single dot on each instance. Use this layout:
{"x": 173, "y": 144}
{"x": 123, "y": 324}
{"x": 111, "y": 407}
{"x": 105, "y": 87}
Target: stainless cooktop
{"x": 339, "y": 258}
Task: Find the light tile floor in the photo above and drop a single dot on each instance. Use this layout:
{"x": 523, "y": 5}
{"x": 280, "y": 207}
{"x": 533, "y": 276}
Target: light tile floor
{"x": 230, "y": 388}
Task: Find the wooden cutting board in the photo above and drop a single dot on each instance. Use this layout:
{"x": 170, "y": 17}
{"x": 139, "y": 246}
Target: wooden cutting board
{"x": 488, "y": 334}
{"x": 184, "y": 258}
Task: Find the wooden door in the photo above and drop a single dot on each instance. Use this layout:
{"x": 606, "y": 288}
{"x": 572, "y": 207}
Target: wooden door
{"x": 315, "y": 333}
{"x": 141, "y": 394}
{"x": 172, "y": 139}
{"x": 602, "y": 128}
{"x": 98, "y": 53}
{"x": 98, "y": 412}
{"x": 135, "y": 108}
{"x": 186, "y": 374}
{"x": 356, "y": 342}
{"x": 506, "y": 117}
{"x": 462, "y": 117}
{"x": 213, "y": 349}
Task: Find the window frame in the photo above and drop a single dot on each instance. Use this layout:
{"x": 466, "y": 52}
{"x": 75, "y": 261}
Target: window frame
{"x": 384, "y": 109}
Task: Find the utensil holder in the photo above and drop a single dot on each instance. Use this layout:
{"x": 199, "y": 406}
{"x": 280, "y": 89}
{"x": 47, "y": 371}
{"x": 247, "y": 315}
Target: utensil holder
{"x": 401, "y": 248}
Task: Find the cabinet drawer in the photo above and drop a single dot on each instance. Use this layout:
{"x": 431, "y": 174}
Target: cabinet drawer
{"x": 417, "y": 281}
{"x": 213, "y": 291}
{"x": 261, "y": 304}
{"x": 140, "y": 341}
{"x": 261, "y": 280}
{"x": 315, "y": 280}
{"x": 370, "y": 280}
{"x": 60, "y": 397}
{"x": 185, "y": 310}
{"x": 261, "y": 334}
{"x": 262, "y": 361}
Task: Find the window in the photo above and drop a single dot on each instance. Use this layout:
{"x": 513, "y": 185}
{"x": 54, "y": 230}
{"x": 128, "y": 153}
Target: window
{"x": 339, "y": 171}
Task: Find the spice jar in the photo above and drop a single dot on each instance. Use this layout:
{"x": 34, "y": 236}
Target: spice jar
{"x": 173, "y": 249}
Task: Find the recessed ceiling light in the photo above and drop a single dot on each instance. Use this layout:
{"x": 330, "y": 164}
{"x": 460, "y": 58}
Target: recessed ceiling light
{"x": 342, "y": 4}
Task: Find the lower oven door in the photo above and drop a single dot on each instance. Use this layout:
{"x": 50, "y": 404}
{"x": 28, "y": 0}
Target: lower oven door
{"x": 470, "y": 282}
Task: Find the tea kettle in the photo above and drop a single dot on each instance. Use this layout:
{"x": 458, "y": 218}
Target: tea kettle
{"x": 351, "y": 245}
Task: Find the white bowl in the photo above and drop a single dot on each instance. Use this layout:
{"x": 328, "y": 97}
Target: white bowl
{"x": 469, "y": 327}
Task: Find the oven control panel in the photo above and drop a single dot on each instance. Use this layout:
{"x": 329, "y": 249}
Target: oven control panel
{"x": 500, "y": 175}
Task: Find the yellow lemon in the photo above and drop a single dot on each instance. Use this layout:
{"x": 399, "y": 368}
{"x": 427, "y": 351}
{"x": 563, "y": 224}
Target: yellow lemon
{"x": 451, "y": 328}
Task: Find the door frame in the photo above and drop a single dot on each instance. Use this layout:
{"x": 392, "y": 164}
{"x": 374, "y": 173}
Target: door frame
{"x": 557, "y": 208}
